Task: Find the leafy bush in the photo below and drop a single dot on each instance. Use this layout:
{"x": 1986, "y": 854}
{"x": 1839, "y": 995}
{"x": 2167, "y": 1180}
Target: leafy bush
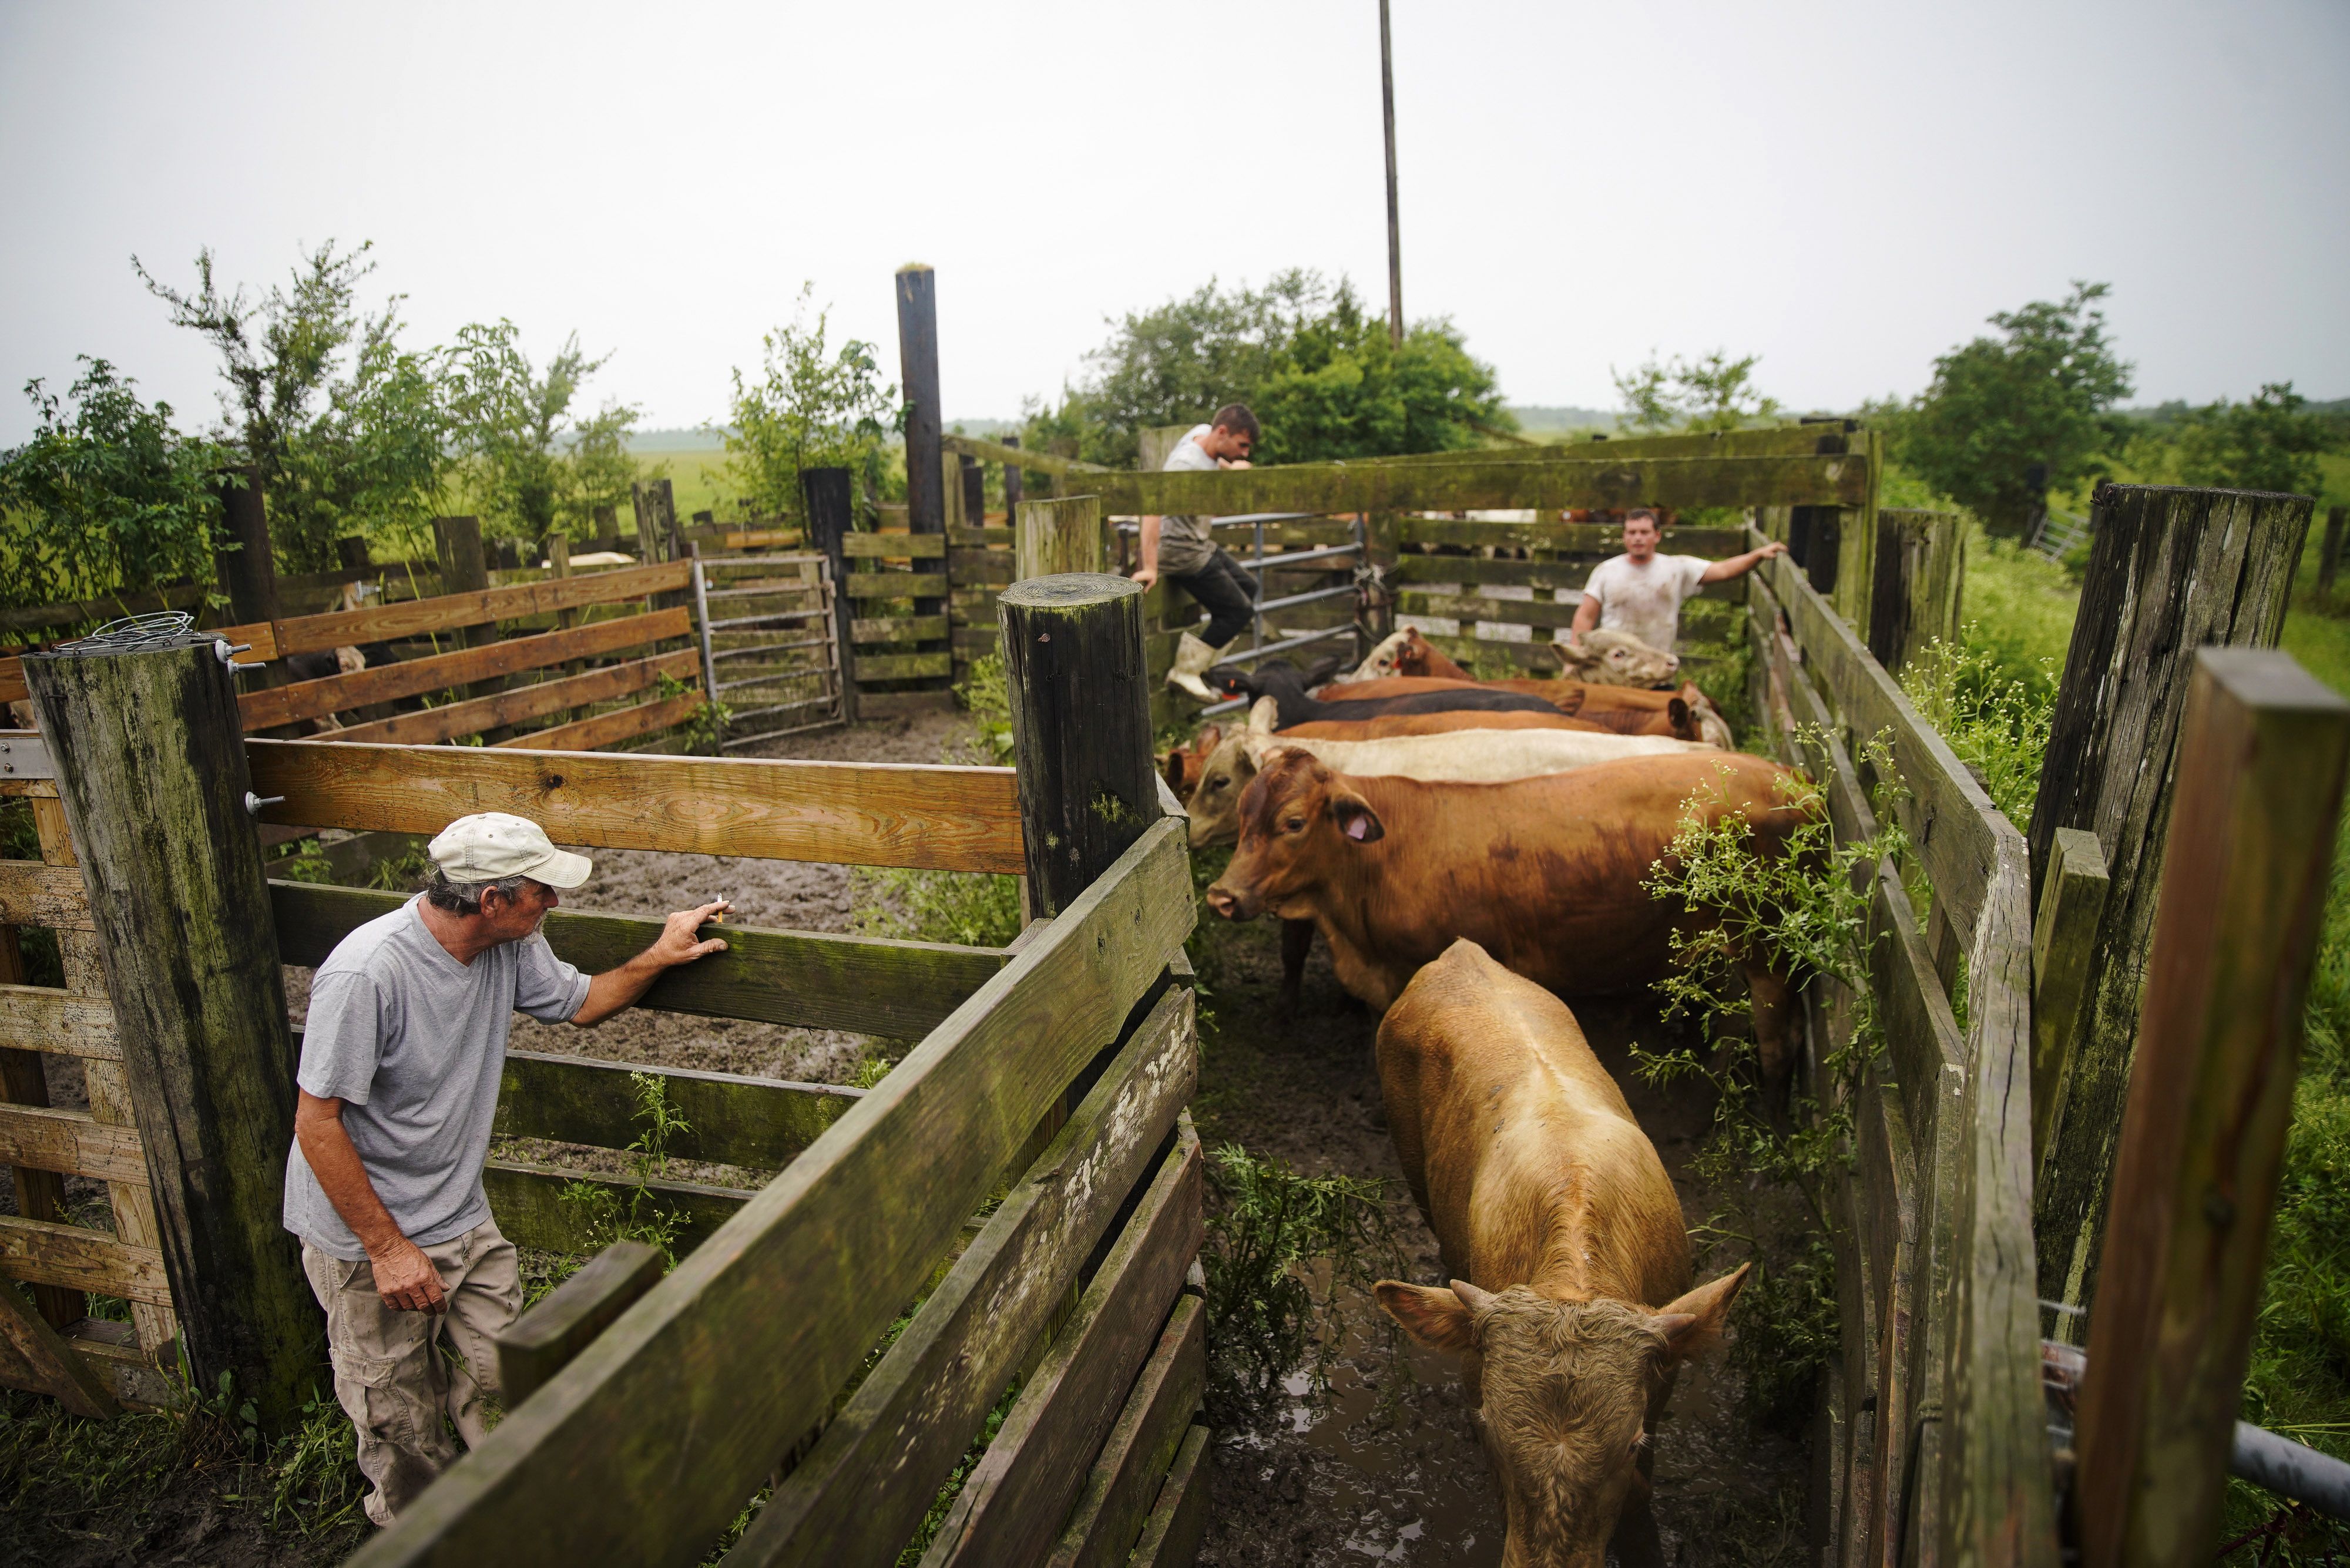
{"x": 106, "y": 499}
{"x": 1269, "y": 1229}
{"x": 808, "y": 408}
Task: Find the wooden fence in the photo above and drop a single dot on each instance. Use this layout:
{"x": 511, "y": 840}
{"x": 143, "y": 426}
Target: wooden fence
{"x": 1007, "y": 1222}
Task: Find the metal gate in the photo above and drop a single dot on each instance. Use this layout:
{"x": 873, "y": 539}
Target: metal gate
{"x": 768, "y": 649}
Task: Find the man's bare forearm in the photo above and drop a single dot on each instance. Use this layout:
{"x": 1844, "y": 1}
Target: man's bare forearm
{"x": 616, "y": 989}
{"x": 335, "y": 1161}
{"x": 1587, "y": 617}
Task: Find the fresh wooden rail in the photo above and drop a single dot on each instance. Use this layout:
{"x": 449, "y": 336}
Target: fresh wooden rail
{"x": 866, "y": 813}
{"x": 275, "y": 705}
{"x": 433, "y": 725}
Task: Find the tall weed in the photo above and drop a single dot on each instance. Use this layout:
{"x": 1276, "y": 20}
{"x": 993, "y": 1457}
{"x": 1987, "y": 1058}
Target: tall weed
{"x": 605, "y": 1216}
{"x": 1270, "y": 1229}
{"x": 1805, "y": 913}
{"x": 1996, "y": 720}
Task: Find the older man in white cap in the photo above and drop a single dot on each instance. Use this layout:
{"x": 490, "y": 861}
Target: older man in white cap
{"x": 401, "y": 1055}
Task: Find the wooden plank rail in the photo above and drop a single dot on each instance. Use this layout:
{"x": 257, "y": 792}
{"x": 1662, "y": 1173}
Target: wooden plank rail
{"x": 472, "y": 717}
{"x": 864, "y": 1489}
{"x": 41, "y": 1017}
{"x": 648, "y": 1443}
{"x": 43, "y": 1252}
{"x": 1141, "y": 1447}
{"x": 610, "y": 729}
{"x": 32, "y": 894}
{"x": 761, "y": 1123}
{"x": 858, "y": 814}
{"x": 816, "y": 980}
{"x": 540, "y": 1343}
{"x": 1564, "y": 538}
{"x": 278, "y": 705}
{"x": 1486, "y": 483}
{"x": 1980, "y": 1485}
{"x": 71, "y": 1144}
{"x": 446, "y": 612}
{"x": 1011, "y": 1508}
{"x": 532, "y": 1210}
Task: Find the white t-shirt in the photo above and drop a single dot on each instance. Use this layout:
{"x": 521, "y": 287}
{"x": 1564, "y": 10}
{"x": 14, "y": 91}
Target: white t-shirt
{"x": 1185, "y": 545}
{"x": 1645, "y": 600}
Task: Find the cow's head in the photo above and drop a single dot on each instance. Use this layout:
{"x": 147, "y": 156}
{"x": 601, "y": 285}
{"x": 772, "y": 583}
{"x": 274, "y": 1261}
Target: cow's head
{"x": 1296, "y": 818}
{"x": 1422, "y": 658}
{"x": 1616, "y": 659}
{"x": 1214, "y": 807}
{"x": 1382, "y": 661}
{"x": 1182, "y": 765}
{"x": 1565, "y": 1388}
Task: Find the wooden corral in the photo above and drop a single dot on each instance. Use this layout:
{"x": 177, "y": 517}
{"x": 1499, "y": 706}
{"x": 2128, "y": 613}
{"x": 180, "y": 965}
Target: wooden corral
{"x": 1007, "y": 1222}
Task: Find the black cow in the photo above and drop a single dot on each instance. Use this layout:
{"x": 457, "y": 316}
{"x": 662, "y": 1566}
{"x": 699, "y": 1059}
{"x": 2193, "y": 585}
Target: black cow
{"x": 1282, "y": 682}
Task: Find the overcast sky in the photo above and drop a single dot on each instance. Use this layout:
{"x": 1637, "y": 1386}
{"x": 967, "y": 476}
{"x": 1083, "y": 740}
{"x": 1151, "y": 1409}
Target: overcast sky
{"x": 1846, "y": 192}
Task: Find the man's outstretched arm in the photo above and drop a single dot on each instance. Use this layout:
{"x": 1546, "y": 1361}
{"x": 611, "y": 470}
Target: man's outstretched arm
{"x": 619, "y": 988}
{"x": 1739, "y": 565}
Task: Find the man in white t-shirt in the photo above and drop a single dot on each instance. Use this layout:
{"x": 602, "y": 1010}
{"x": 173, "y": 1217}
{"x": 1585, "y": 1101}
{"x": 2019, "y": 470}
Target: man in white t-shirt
{"x": 1183, "y": 549}
{"x": 1640, "y": 592}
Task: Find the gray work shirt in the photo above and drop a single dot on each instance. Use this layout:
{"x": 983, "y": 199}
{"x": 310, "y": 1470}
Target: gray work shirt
{"x": 413, "y": 1044}
{"x": 1184, "y": 543}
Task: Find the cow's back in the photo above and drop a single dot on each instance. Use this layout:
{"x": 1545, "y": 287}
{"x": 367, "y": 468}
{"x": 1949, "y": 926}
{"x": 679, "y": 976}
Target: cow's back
{"x": 1437, "y": 724}
{"x": 1546, "y": 874}
{"x": 1518, "y": 1144}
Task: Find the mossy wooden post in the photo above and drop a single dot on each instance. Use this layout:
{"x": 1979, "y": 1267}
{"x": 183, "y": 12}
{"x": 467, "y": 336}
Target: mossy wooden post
{"x": 151, "y": 771}
{"x": 247, "y": 572}
{"x": 1057, "y": 536}
{"x": 825, "y": 493}
{"x": 1920, "y": 572}
{"x": 2170, "y": 571}
{"x": 1080, "y": 726}
{"x": 927, "y": 462}
{"x": 2063, "y": 941}
{"x": 974, "y": 492}
{"x": 2211, "y": 1101}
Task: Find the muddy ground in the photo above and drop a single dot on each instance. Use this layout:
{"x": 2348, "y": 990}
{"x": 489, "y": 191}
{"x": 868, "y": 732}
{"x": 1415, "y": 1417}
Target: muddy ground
{"x": 1382, "y": 1467}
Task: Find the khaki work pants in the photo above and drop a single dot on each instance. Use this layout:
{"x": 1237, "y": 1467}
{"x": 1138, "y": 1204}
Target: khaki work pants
{"x": 390, "y": 1376}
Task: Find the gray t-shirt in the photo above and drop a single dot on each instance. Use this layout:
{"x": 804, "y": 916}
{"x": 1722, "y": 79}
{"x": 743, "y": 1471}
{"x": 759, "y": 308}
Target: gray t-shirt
{"x": 1185, "y": 544}
{"x": 413, "y": 1044}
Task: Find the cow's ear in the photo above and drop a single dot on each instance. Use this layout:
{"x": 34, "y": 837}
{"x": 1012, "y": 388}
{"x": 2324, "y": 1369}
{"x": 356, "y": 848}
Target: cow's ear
{"x": 1574, "y": 657}
{"x": 1208, "y": 739}
{"x": 1693, "y": 1323}
{"x": 1435, "y": 1317}
{"x": 1170, "y": 768}
{"x": 1356, "y": 818}
{"x": 1679, "y": 712}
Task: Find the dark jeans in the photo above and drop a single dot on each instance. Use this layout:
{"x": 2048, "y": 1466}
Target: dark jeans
{"x": 1228, "y": 594}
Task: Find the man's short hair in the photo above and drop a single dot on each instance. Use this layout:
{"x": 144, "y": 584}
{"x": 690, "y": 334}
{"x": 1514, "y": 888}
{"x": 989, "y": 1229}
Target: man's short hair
{"x": 1643, "y": 515}
{"x": 1235, "y": 418}
{"x": 465, "y": 897}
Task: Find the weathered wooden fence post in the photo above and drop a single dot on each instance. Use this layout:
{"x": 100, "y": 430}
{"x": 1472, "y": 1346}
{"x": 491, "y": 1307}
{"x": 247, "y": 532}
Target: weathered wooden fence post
{"x": 151, "y": 771}
{"x": 925, "y": 459}
{"x": 2169, "y": 572}
{"x": 1011, "y": 483}
{"x": 465, "y": 569}
{"x": 974, "y": 492}
{"x": 1920, "y": 573}
{"x": 824, "y": 493}
{"x": 1061, "y": 535}
{"x": 248, "y": 572}
{"x": 1080, "y": 726}
{"x": 2244, "y": 880}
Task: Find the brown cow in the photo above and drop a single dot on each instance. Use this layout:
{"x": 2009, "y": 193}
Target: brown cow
{"x": 1556, "y": 1214}
{"x": 1181, "y": 766}
{"x": 1409, "y": 655}
{"x": 1606, "y": 658}
{"x": 1543, "y": 873}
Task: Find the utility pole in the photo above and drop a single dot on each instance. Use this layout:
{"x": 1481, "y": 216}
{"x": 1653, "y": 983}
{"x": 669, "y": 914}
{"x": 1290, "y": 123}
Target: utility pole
{"x": 1395, "y": 241}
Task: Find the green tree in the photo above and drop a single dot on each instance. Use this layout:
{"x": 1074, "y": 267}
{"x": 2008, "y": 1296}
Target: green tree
{"x": 811, "y": 406}
{"x": 1715, "y": 394}
{"x": 2008, "y": 418}
{"x": 106, "y": 499}
{"x": 530, "y": 463}
{"x": 347, "y": 431}
{"x": 2270, "y": 442}
{"x": 1320, "y": 372}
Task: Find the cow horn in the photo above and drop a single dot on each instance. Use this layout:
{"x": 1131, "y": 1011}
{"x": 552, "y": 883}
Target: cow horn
{"x": 1471, "y": 1296}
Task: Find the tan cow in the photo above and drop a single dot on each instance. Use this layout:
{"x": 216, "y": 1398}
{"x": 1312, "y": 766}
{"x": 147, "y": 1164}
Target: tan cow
{"x": 1572, "y": 1309}
{"x": 1615, "y": 658}
{"x": 1471, "y": 756}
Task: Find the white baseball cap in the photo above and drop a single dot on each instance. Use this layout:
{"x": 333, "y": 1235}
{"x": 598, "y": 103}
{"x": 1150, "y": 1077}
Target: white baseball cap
{"x": 492, "y": 844}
